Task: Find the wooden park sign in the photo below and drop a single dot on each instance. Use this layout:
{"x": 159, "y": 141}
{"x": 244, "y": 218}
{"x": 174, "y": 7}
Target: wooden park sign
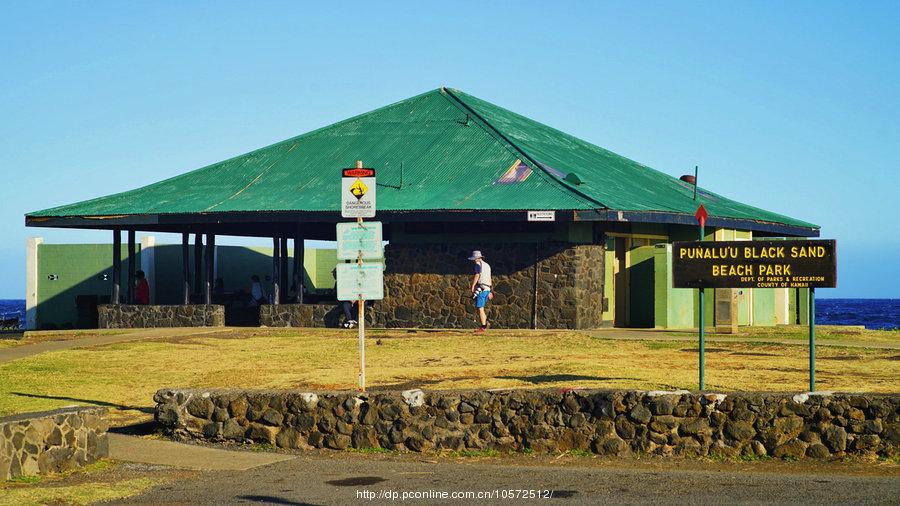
{"x": 754, "y": 264}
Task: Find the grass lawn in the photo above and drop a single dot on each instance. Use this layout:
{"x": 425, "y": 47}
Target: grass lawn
{"x": 125, "y": 376}
{"x": 824, "y": 333}
{"x": 96, "y": 482}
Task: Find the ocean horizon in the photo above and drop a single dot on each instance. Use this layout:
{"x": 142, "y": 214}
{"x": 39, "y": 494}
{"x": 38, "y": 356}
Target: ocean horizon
{"x": 874, "y": 314}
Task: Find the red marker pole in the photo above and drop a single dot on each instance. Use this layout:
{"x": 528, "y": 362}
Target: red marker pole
{"x": 701, "y": 216}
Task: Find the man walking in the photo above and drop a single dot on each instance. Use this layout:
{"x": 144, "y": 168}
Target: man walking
{"x": 481, "y": 287}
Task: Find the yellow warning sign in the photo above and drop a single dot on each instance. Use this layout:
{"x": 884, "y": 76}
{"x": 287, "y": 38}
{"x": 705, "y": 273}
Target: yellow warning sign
{"x": 359, "y": 189}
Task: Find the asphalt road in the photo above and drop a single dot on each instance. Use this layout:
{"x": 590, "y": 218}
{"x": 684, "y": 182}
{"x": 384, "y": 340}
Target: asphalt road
{"x": 351, "y": 479}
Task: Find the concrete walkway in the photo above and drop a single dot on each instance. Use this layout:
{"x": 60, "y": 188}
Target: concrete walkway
{"x": 27, "y": 350}
{"x": 186, "y": 456}
{"x": 661, "y": 335}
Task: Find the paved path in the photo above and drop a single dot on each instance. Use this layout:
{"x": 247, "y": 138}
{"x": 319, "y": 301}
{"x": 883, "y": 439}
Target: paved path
{"x": 186, "y": 456}
{"x": 27, "y": 350}
{"x": 656, "y": 335}
{"x": 352, "y": 479}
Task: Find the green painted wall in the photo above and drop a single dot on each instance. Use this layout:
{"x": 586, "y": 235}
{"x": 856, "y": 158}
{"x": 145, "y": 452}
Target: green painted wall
{"x": 763, "y": 307}
{"x": 168, "y": 283}
{"x": 609, "y": 281}
{"x": 673, "y": 307}
{"x": 78, "y": 269}
{"x": 319, "y": 263}
{"x": 798, "y": 300}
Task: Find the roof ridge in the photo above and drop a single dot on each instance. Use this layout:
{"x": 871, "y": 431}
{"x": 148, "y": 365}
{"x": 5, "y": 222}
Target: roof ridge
{"x": 495, "y": 132}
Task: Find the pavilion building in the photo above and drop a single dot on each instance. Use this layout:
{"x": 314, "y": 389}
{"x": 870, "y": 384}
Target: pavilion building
{"x": 578, "y": 237}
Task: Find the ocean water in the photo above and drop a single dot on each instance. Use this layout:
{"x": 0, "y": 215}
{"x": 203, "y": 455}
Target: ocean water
{"x": 12, "y": 309}
{"x": 873, "y": 313}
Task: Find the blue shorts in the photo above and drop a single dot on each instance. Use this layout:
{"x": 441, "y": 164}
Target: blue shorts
{"x": 482, "y": 298}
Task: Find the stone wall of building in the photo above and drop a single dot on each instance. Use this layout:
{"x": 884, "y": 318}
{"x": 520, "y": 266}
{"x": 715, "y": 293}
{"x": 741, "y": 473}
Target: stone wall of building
{"x": 305, "y": 315}
{"x": 547, "y": 285}
{"x": 589, "y": 277}
{"x": 605, "y": 422}
{"x": 126, "y": 316}
{"x": 51, "y": 441}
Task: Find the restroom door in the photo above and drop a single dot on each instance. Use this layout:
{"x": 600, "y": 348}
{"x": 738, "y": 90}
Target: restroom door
{"x": 620, "y": 284}
{"x": 641, "y": 279}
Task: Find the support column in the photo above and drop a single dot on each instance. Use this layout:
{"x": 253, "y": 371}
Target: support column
{"x": 210, "y": 261}
{"x": 299, "y": 272}
{"x": 283, "y": 269}
{"x": 198, "y": 262}
{"x": 116, "y": 267}
{"x": 148, "y": 263}
{"x": 131, "y": 267}
{"x": 276, "y": 275}
{"x": 186, "y": 267}
{"x": 31, "y": 281}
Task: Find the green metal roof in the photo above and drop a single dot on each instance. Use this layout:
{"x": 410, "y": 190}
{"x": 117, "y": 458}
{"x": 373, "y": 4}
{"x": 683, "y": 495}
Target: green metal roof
{"x": 441, "y": 150}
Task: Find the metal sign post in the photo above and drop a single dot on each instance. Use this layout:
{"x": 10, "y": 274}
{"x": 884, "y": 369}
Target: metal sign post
{"x": 812, "y": 339}
{"x": 357, "y": 201}
{"x": 701, "y": 218}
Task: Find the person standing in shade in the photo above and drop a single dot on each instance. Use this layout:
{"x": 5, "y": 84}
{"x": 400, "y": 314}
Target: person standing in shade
{"x": 257, "y": 294}
{"x": 481, "y": 287}
{"x": 141, "y": 288}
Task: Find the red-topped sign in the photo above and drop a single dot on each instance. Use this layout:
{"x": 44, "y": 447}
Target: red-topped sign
{"x": 701, "y": 215}
{"x": 359, "y": 172}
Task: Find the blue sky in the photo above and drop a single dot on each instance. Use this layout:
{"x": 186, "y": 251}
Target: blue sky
{"x": 790, "y": 106}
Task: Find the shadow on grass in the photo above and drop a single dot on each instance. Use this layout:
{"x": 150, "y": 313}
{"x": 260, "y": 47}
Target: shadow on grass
{"x": 553, "y": 378}
{"x": 123, "y": 407}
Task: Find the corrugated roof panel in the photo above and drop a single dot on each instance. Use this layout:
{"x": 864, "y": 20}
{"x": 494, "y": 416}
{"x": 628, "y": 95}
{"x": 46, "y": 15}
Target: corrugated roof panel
{"x": 617, "y": 182}
{"x": 447, "y": 160}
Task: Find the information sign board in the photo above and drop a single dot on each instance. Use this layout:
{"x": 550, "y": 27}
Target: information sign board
{"x": 754, "y": 264}
{"x": 360, "y": 281}
{"x": 363, "y": 238}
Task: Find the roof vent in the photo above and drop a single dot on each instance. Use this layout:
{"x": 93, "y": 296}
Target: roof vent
{"x": 689, "y": 179}
{"x": 573, "y": 178}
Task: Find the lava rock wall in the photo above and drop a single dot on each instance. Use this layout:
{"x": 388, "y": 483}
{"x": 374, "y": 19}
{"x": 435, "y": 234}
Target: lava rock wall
{"x": 128, "y": 316}
{"x": 52, "y": 441}
{"x": 604, "y": 422}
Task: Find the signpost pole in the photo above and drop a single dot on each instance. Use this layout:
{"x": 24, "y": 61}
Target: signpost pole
{"x": 701, "y": 216}
{"x": 702, "y": 322}
{"x": 356, "y": 241}
{"x": 362, "y": 317}
{"x": 812, "y": 339}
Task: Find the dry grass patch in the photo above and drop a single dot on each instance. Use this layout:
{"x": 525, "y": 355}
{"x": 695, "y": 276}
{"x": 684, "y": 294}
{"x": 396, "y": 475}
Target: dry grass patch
{"x": 125, "y": 376}
{"x": 101, "y": 481}
{"x": 826, "y": 333}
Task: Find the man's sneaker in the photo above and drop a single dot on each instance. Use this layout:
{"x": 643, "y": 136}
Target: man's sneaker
{"x": 351, "y": 324}
{"x": 479, "y": 330}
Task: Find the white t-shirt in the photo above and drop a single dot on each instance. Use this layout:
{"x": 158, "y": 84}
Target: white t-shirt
{"x": 256, "y": 293}
{"x": 485, "y": 270}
